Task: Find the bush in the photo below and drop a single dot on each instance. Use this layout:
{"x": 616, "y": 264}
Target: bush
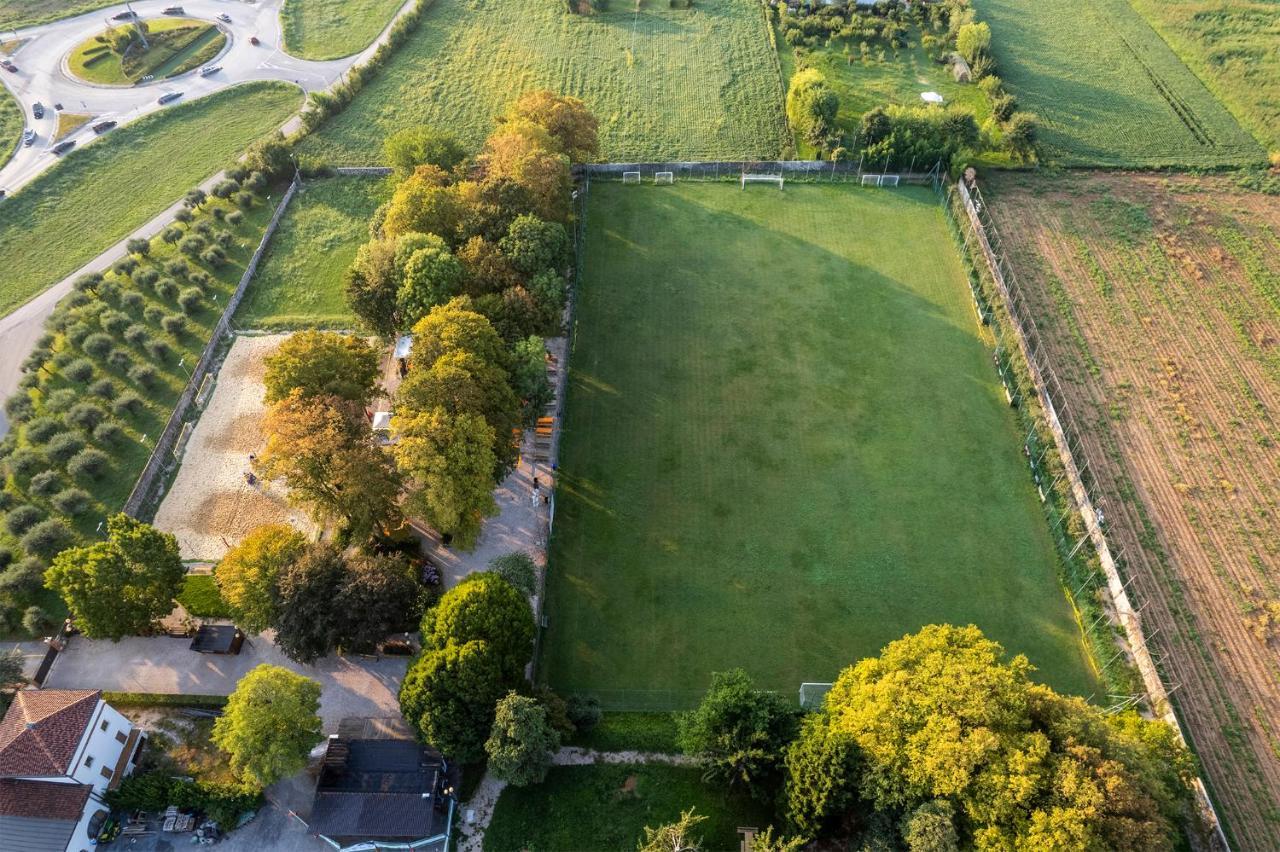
{"x": 41, "y": 429}
{"x": 171, "y": 234}
{"x": 174, "y": 324}
{"x": 583, "y": 712}
{"x": 119, "y": 360}
{"x": 114, "y": 322}
{"x": 167, "y": 289}
{"x": 235, "y": 217}
{"x": 7, "y": 500}
{"x": 218, "y": 214}
{"x": 45, "y": 484}
{"x": 139, "y": 246}
{"x": 60, "y": 400}
{"x": 200, "y": 278}
{"x": 35, "y": 620}
{"x": 63, "y": 358}
{"x": 71, "y": 501}
{"x": 204, "y": 228}
{"x": 19, "y": 408}
{"x": 64, "y": 446}
{"x": 189, "y": 299}
{"x": 132, "y": 301}
{"x": 109, "y": 291}
{"x": 177, "y": 268}
{"x": 87, "y": 283}
{"x": 153, "y": 313}
{"x": 244, "y": 200}
{"x": 213, "y": 256}
{"x": 158, "y": 349}
{"x": 85, "y": 415}
{"x": 518, "y": 570}
{"x": 78, "y": 332}
{"x": 6, "y": 555}
{"x": 191, "y": 245}
{"x": 127, "y": 404}
{"x": 23, "y": 579}
{"x": 22, "y": 518}
{"x": 89, "y": 463}
{"x": 108, "y": 432}
{"x": 184, "y": 216}
{"x": 81, "y": 369}
{"x": 49, "y": 537}
{"x": 25, "y": 462}
{"x": 146, "y": 278}
{"x": 143, "y": 375}
{"x": 225, "y": 189}
{"x": 1002, "y": 106}
{"x": 103, "y": 388}
{"x": 137, "y": 334}
{"x": 124, "y": 267}
{"x": 225, "y": 239}
{"x": 98, "y": 344}
{"x": 255, "y": 182}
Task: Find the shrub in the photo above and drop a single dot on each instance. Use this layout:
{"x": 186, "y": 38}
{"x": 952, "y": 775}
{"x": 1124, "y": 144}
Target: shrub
{"x": 583, "y": 711}
{"x": 78, "y": 332}
{"x": 29, "y": 381}
{"x": 244, "y": 200}
{"x": 192, "y": 245}
{"x": 98, "y": 344}
{"x": 108, "y": 432}
{"x": 517, "y": 569}
{"x": 63, "y": 358}
{"x": 159, "y": 350}
{"x": 45, "y": 484}
{"x": 76, "y": 300}
{"x": 167, "y": 289}
{"x": 171, "y": 234}
{"x": 87, "y": 283}
{"x": 218, "y": 213}
{"x": 132, "y": 301}
{"x": 991, "y": 86}
{"x": 1002, "y": 106}
{"x": 6, "y": 555}
{"x": 62, "y": 447}
{"x": 143, "y": 375}
{"x": 146, "y": 278}
{"x": 136, "y": 334}
{"x": 214, "y": 256}
{"x": 19, "y": 408}
{"x": 235, "y": 217}
{"x": 126, "y": 404}
{"x": 7, "y": 500}
{"x": 174, "y": 324}
{"x": 35, "y": 620}
{"x": 22, "y": 518}
{"x": 124, "y": 267}
{"x": 80, "y": 370}
{"x": 225, "y": 188}
{"x": 225, "y": 239}
{"x": 109, "y": 291}
{"x": 177, "y": 268}
{"x": 103, "y": 388}
{"x": 139, "y": 246}
{"x": 89, "y": 463}
{"x": 189, "y": 299}
{"x": 204, "y": 228}
{"x": 119, "y": 360}
{"x": 200, "y": 278}
{"x": 237, "y": 174}
{"x": 23, "y": 579}
{"x": 71, "y": 501}
{"x": 60, "y": 400}
{"x": 195, "y": 197}
{"x": 49, "y": 537}
{"x": 41, "y": 429}
{"x": 85, "y": 415}
{"x": 114, "y": 322}
{"x": 153, "y": 313}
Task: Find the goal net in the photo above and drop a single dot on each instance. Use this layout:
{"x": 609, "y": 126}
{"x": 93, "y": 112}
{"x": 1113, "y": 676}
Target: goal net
{"x": 871, "y": 180}
{"x": 206, "y": 388}
{"x": 664, "y": 177}
{"x": 813, "y": 694}
{"x": 747, "y": 178}
{"x": 630, "y": 177}
{"x": 181, "y": 444}
{"x": 880, "y": 180}
{"x": 888, "y": 180}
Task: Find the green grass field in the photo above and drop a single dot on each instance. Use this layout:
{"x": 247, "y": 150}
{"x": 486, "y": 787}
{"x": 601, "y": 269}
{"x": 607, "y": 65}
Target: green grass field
{"x": 99, "y": 194}
{"x": 784, "y": 447}
{"x": 606, "y": 808}
{"x": 11, "y": 124}
{"x": 16, "y": 14}
{"x": 700, "y": 83}
{"x": 328, "y": 29}
{"x": 177, "y": 45}
{"x": 200, "y": 597}
{"x": 1231, "y": 45}
{"x": 300, "y": 280}
{"x": 1108, "y": 90}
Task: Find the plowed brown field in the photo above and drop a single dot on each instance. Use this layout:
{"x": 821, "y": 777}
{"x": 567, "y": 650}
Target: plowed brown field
{"x": 1159, "y": 297}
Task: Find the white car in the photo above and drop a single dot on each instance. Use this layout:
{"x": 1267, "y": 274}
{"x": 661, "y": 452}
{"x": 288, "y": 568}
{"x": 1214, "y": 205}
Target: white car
{"x": 225, "y": 18}
{"x": 210, "y": 70}
{"x": 29, "y": 137}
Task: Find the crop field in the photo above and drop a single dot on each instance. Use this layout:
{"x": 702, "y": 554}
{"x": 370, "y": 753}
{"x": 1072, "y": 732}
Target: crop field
{"x": 784, "y": 446}
{"x": 300, "y": 280}
{"x": 1160, "y": 298}
{"x": 700, "y": 83}
{"x": 1231, "y": 45}
{"x": 16, "y": 14}
{"x": 1107, "y": 89}
{"x": 329, "y": 29}
{"x": 99, "y": 194}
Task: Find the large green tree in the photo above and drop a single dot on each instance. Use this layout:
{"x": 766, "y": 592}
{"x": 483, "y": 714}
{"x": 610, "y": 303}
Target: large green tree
{"x": 372, "y": 285}
{"x": 941, "y": 715}
{"x": 564, "y": 117}
{"x": 455, "y": 326}
{"x": 812, "y": 106}
{"x": 410, "y": 147}
{"x": 521, "y": 741}
{"x": 484, "y": 607}
{"x": 322, "y": 363}
{"x": 380, "y": 596}
{"x": 449, "y": 462}
{"x": 431, "y": 276}
{"x": 118, "y": 587}
{"x": 308, "y": 591}
{"x": 270, "y": 724}
{"x": 740, "y": 733}
{"x": 248, "y": 575}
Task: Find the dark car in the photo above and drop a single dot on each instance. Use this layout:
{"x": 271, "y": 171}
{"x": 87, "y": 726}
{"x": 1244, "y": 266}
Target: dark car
{"x": 253, "y": 40}
{"x": 63, "y": 147}
{"x": 38, "y": 110}
{"x": 123, "y": 16}
{"x": 8, "y": 66}
{"x": 103, "y": 126}
{"x": 168, "y": 97}
{"x": 173, "y": 10}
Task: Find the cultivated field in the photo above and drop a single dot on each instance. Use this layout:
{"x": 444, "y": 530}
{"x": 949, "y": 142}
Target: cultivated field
{"x": 698, "y": 83}
{"x": 328, "y": 29}
{"x": 210, "y": 506}
{"x": 300, "y": 280}
{"x": 784, "y": 446}
{"x": 1161, "y": 298}
{"x": 1107, "y": 89}
{"x": 98, "y": 195}
{"x": 1231, "y": 45}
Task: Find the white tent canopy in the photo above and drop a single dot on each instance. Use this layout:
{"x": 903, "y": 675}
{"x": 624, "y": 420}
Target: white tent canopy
{"x": 931, "y": 97}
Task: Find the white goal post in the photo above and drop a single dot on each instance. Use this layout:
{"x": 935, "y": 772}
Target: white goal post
{"x": 880, "y": 180}
{"x": 871, "y": 180}
{"x": 630, "y": 177}
{"x": 664, "y": 177}
{"x": 813, "y": 694}
{"x": 747, "y": 178}
{"x": 183, "y": 436}
{"x": 888, "y": 180}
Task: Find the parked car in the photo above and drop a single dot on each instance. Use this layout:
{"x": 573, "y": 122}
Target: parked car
{"x": 173, "y": 10}
{"x": 37, "y": 109}
{"x": 168, "y": 97}
{"x": 8, "y": 66}
{"x": 123, "y": 16}
{"x": 29, "y": 137}
{"x": 63, "y": 147}
{"x": 210, "y": 70}
{"x": 103, "y": 126}
{"x": 225, "y": 18}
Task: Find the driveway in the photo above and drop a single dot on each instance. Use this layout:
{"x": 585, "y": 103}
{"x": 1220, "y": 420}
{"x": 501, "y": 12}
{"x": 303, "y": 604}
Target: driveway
{"x": 350, "y": 686}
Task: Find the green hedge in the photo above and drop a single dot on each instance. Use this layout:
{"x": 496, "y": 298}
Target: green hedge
{"x": 158, "y": 699}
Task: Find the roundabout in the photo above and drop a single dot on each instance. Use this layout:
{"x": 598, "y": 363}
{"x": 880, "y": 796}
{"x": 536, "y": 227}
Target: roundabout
{"x": 141, "y": 50}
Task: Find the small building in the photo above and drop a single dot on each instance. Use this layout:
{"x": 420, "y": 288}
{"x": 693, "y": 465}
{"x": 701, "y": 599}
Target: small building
{"x": 61, "y": 750}
{"x": 217, "y": 639}
{"x": 381, "y": 794}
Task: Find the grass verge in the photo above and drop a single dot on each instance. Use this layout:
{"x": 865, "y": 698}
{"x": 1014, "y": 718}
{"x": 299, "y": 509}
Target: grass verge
{"x": 17, "y": 14}
{"x": 99, "y": 194}
{"x": 329, "y": 29}
{"x": 12, "y": 123}
{"x": 200, "y": 597}
{"x": 654, "y": 732}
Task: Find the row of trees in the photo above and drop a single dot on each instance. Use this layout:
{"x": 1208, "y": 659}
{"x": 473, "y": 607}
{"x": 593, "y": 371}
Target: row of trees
{"x": 941, "y": 744}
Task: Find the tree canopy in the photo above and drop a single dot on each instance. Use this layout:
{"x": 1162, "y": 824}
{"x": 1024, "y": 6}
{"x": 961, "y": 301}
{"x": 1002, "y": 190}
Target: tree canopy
{"x": 484, "y": 607}
{"x": 270, "y": 724}
{"x": 410, "y": 147}
{"x": 322, "y": 363}
{"x": 248, "y": 575}
{"x": 521, "y": 741}
{"x": 565, "y": 118}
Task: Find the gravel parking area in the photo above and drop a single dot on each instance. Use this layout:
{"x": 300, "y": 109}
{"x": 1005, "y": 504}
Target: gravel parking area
{"x": 210, "y": 506}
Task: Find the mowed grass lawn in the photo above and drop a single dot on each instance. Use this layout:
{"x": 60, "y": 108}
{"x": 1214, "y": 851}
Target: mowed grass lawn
{"x": 784, "y": 447}
{"x": 698, "y": 83}
{"x": 328, "y": 29}
{"x": 606, "y": 808}
{"x": 99, "y": 194}
{"x": 1108, "y": 90}
{"x": 11, "y": 124}
{"x": 300, "y": 280}
{"x": 16, "y": 14}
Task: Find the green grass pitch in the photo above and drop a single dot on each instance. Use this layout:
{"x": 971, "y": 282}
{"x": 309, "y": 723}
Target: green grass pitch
{"x": 784, "y": 447}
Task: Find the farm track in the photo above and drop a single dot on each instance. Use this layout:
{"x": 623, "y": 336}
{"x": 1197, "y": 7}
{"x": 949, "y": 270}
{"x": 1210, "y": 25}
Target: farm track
{"x": 1181, "y": 431}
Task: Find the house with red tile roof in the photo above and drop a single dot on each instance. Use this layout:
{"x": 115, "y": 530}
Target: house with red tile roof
{"x": 61, "y": 750}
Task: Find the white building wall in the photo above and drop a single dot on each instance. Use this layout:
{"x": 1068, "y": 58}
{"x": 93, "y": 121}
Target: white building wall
{"x": 100, "y": 749}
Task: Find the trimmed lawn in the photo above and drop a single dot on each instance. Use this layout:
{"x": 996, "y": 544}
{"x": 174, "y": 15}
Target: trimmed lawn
{"x": 12, "y": 123}
{"x": 700, "y": 83}
{"x": 784, "y": 447}
{"x": 605, "y": 808}
{"x": 176, "y": 46}
{"x": 200, "y": 597}
{"x": 329, "y": 29}
{"x": 300, "y": 280}
{"x": 1107, "y": 88}
{"x": 16, "y": 14}
{"x": 631, "y": 732}
{"x": 99, "y": 194}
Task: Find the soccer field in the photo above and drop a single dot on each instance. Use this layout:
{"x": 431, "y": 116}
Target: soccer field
{"x": 784, "y": 447}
